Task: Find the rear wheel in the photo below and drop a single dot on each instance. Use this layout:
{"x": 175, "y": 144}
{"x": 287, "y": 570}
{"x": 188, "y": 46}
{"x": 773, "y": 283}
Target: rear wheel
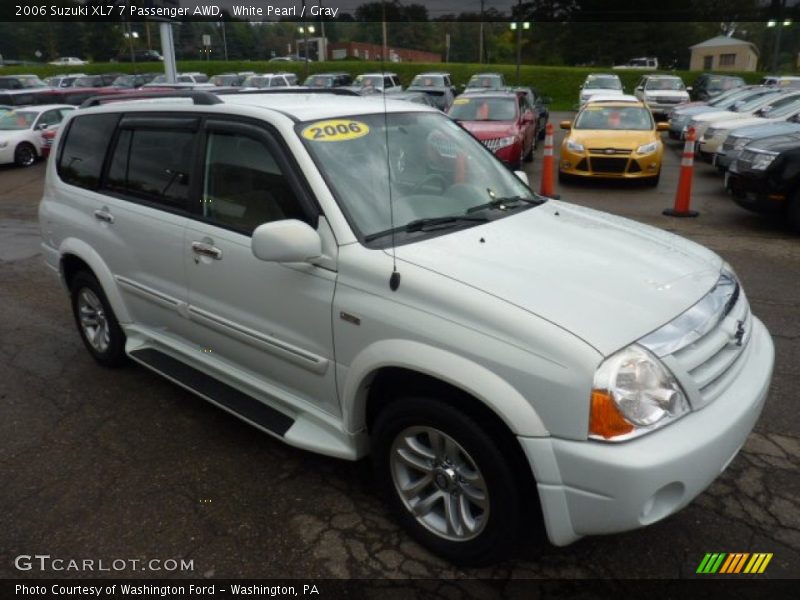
{"x": 793, "y": 212}
{"x": 97, "y": 324}
{"x": 529, "y": 156}
{"x": 446, "y": 480}
{"x": 25, "y": 155}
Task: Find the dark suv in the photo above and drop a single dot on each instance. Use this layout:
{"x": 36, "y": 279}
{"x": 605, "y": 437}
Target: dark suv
{"x": 21, "y": 82}
{"x": 710, "y": 85}
{"x": 766, "y": 177}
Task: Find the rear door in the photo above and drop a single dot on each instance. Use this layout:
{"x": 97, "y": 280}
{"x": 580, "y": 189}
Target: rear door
{"x": 270, "y": 319}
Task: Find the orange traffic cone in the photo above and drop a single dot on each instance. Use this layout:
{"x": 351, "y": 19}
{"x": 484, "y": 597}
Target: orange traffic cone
{"x": 547, "y": 187}
{"x": 683, "y": 197}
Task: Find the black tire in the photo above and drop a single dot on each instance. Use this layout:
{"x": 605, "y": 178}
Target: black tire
{"x": 565, "y": 178}
{"x": 497, "y": 533}
{"x": 25, "y": 155}
{"x": 111, "y": 351}
{"x": 543, "y": 131}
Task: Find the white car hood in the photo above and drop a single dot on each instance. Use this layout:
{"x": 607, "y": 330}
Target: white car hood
{"x": 665, "y": 94}
{"x": 743, "y": 122}
{"x": 605, "y": 279}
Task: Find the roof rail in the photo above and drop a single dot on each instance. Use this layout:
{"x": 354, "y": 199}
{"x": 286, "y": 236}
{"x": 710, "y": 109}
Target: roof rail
{"x": 197, "y": 96}
{"x": 289, "y": 90}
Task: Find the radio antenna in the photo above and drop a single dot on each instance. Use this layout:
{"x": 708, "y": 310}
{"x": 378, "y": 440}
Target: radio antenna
{"x": 394, "y": 278}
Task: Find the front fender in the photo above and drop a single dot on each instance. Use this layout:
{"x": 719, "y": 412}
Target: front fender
{"x": 497, "y": 394}
{"x": 87, "y": 254}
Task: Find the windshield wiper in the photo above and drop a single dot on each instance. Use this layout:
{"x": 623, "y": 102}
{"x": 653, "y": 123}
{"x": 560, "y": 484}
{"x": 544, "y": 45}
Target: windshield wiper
{"x": 508, "y": 202}
{"x": 428, "y": 224}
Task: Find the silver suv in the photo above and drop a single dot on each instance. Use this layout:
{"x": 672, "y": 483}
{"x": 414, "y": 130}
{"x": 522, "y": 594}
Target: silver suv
{"x": 358, "y": 282}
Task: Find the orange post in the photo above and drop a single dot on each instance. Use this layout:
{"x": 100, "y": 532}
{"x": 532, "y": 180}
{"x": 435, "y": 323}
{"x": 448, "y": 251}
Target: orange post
{"x": 683, "y": 197}
{"x": 547, "y": 187}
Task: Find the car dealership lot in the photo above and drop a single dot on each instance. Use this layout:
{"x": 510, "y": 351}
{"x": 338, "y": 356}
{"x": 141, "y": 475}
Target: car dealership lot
{"x": 122, "y": 464}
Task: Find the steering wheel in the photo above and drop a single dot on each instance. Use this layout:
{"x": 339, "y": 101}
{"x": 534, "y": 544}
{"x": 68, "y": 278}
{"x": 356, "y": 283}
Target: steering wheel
{"x": 429, "y": 181}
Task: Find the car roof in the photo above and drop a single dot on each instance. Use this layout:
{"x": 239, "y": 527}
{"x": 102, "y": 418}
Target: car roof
{"x": 591, "y": 75}
{"x": 624, "y": 99}
{"x": 488, "y": 73}
{"x": 379, "y": 74}
{"x": 491, "y": 94}
{"x": 43, "y": 107}
{"x": 659, "y": 76}
{"x": 300, "y": 106}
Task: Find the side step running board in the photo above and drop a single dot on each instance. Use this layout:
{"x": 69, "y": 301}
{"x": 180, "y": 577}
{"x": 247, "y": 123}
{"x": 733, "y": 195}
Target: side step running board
{"x": 215, "y": 390}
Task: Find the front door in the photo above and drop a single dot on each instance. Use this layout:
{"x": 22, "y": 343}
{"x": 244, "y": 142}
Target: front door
{"x": 270, "y": 319}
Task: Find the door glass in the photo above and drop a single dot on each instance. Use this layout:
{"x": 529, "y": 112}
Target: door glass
{"x": 153, "y": 165}
{"x": 244, "y": 186}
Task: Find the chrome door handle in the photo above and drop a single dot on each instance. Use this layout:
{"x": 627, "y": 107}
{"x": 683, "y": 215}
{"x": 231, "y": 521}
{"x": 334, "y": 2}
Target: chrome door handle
{"x": 205, "y": 249}
{"x": 104, "y": 215}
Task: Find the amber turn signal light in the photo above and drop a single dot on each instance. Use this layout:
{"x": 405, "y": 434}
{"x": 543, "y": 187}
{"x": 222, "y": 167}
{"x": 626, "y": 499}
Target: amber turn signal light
{"x": 605, "y": 420}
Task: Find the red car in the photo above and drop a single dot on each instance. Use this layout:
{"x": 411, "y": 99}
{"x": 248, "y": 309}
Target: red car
{"x": 501, "y": 121}
{"x": 48, "y": 136}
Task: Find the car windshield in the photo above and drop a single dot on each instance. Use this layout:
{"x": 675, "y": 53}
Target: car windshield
{"x": 624, "y": 118}
{"x": 603, "y": 83}
{"x": 84, "y": 82}
{"x": 433, "y": 169}
{"x": 17, "y": 120}
{"x": 666, "y": 84}
{"x": 757, "y": 102}
{"x": 428, "y": 81}
{"x": 783, "y": 108}
{"x": 319, "y": 81}
{"x": 483, "y": 109}
{"x": 728, "y": 98}
{"x": 724, "y": 83}
{"x": 256, "y": 81}
{"x": 489, "y": 82}
{"x": 368, "y": 81}
{"x": 124, "y": 81}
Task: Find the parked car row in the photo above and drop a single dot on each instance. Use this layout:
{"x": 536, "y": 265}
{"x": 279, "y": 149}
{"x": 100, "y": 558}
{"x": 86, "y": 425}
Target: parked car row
{"x": 752, "y": 135}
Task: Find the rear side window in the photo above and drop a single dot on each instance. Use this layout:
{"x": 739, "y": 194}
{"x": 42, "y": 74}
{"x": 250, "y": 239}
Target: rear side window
{"x": 153, "y": 164}
{"x": 84, "y": 149}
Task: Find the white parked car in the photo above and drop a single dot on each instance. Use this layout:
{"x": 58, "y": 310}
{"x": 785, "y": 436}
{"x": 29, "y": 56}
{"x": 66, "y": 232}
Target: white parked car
{"x": 21, "y": 130}
{"x": 782, "y": 108}
{"x": 269, "y": 80}
{"x": 372, "y": 83}
{"x": 606, "y": 84}
{"x": 661, "y": 93}
{"x": 740, "y": 110}
{"x": 490, "y": 348}
{"x": 69, "y": 61}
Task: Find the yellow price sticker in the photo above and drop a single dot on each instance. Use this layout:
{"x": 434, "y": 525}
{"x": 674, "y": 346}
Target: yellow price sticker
{"x": 335, "y": 130}
{"x": 461, "y": 101}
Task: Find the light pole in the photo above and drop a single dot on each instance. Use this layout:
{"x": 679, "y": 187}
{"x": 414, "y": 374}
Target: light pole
{"x": 518, "y": 27}
{"x": 779, "y": 25}
{"x": 305, "y": 30}
{"x": 480, "y": 38}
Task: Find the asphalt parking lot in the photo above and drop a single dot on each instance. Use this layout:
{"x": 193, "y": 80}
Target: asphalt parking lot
{"x": 105, "y": 464}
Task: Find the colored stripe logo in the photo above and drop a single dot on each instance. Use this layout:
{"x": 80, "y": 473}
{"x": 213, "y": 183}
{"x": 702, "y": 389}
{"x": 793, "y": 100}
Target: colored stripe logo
{"x": 734, "y": 563}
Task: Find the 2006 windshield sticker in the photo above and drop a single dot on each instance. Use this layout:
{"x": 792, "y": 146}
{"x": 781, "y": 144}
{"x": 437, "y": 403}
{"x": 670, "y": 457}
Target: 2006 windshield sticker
{"x": 335, "y": 130}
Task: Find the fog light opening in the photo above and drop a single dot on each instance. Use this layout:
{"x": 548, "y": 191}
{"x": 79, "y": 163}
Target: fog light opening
{"x": 663, "y": 503}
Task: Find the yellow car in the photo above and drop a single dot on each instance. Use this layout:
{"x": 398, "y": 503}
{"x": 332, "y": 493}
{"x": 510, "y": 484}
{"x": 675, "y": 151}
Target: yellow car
{"x": 614, "y": 137}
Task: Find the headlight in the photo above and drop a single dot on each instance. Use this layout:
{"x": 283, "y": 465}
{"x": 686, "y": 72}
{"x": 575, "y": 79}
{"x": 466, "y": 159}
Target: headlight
{"x": 3, "y": 144}
{"x": 762, "y": 160}
{"x": 575, "y": 146}
{"x": 647, "y": 148}
{"x": 711, "y": 132}
{"x": 633, "y": 393}
{"x": 506, "y": 141}
{"x": 741, "y": 143}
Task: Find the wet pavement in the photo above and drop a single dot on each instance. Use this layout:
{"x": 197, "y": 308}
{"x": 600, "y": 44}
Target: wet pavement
{"x": 121, "y": 464}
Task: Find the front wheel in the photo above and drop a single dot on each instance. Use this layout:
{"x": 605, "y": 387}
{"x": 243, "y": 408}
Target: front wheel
{"x": 25, "y": 155}
{"x": 446, "y": 480}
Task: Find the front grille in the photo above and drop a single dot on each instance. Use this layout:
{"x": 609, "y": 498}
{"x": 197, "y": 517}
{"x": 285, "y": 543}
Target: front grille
{"x": 582, "y": 166}
{"x": 745, "y": 160}
{"x": 729, "y": 143}
{"x": 703, "y": 346}
{"x": 608, "y": 165}
{"x": 711, "y": 360}
{"x": 493, "y": 144}
{"x": 609, "y": 151}
{"x": 667, "y": 100}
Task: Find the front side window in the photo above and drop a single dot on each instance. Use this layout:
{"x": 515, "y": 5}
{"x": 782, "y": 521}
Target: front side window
{"x": 428, "y": 165}
{"x": 243, "y": 184}
{"x": 153, "y": 164}
{"x": 277, "y": 82}
{"x": 84, "y": 149}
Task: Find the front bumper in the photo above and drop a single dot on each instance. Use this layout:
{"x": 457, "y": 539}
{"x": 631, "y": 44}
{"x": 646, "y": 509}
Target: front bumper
{"x": 7, "y": 154}
{"x": 753, "y": 192}
{"x": 511, "y": 155}
{"x": 618, "y": 166}
{"x": 589, "y": 488}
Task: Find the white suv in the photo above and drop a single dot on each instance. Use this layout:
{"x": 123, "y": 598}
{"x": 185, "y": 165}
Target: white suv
{"x": 357, "y": 282}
